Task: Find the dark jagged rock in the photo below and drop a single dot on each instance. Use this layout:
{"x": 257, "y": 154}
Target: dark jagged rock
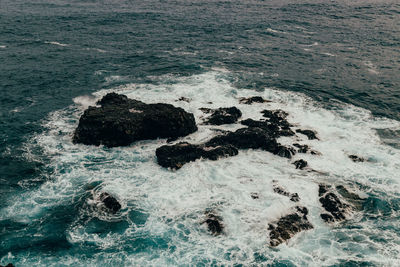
{"x": 110, "y": 202}
{"x": 214, "y": 224}
{"x": 300, "y": 164}
{"x": 289, "y": 225}
{"x": 278, "y": 117}
{"x": 221, "y": 146}
{"x": 246, "y": 138}
{"x": 120, "y": 121}
{"x": 356, "y": 158}
{"x": 293, "y": 197}
{"x": 253, "y": 99}
{"x": 310, "y": 134}
{"x": 175, "y": 156}
{"x": 8, "y": 265}
{"x": 222, "y": 115}
{"x": 275, "y": 115}
{"x": 322, "y": 189}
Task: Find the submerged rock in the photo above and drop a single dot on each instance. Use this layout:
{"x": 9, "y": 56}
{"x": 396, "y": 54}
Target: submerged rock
{"x": 8, "y": 265}
{"x": 289, "y": 225}
{"x": 251, "y": 100}
{"x": 300, "y": 164}
{"x": 175, "y": 156}
{"x": 214, "y": 224}
{"x": 338, "y": 204}
{"x": 222, "y": 115}
{"x": 110, "y": 202}
{"x": 309, "y": 133}
{"x": 119, "y": 121}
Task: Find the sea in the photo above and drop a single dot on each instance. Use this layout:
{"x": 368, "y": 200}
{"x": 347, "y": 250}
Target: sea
{"x": 332, "y": 65}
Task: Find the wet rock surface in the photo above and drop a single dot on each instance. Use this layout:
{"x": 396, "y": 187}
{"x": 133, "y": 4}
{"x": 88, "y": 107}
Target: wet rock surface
{"x": 110, "y": 202}
{"x": 222, "y": 115}
{"x": 119, "y": 121}
{"x": 289, "y": 225}
{"x": 258, "y": 135}
{"x": 175, "y": 156}
{"x": 8, "y": 265}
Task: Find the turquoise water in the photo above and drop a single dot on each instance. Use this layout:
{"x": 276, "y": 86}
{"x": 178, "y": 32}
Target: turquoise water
{"x": 334, "y": 66}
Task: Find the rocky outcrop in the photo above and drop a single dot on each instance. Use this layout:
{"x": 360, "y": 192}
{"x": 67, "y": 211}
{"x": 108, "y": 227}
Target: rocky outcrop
{"x": 214, "y": 224}
{"x": 289, "y": 225}
{"x": 110, "y": 202}
{"x": 309, "y": 133}
{"x": 8, "y": 265}
{"x": 119, "y": 121}
{"x": 251, "y": 100}
{"x": 258, "y": 135}
{"x": 175, "y": 156}
{"x": 222, "y": 115}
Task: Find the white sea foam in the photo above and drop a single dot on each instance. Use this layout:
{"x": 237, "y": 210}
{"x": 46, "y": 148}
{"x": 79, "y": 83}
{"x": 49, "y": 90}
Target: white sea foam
{"x": 175, "y": 201}
{"x": 57, "y": 43}
{"x": 371, "y": 67}
{"x": 85, "y": 101}
{"x": 3, "y": 46}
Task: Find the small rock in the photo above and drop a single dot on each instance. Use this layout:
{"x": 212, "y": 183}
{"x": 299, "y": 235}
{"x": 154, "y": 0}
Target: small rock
{"x": 300, "y": 164}
{"x": 8, "y": 265}
{"x": 310, "y": 134}
{"x": 185, "y": 99}
{"x": 251, "y": 100}
{"x": 356, "y": 158}
{"x": 110, "y": 202}
{"x": 214, "y": 224}
{"x": 293, "y": 197}
{"x": 254, "y": 196}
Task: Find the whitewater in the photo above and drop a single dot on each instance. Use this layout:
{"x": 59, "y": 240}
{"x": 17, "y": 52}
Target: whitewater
{"x": 160, "y": 223}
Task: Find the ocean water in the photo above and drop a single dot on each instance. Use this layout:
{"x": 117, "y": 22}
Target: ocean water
{"x": 334, "y": 66}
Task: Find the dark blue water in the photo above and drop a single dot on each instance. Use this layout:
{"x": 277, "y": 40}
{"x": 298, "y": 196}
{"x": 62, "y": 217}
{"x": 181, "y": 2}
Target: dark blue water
{"x": 51, "y": 52}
